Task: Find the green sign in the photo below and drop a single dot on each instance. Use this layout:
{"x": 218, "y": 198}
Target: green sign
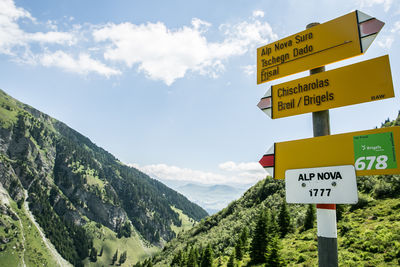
{"x": 374, "y": 151}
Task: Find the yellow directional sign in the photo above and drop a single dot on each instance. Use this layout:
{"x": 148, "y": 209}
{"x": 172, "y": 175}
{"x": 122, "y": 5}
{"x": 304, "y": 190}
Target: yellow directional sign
{"x": 338, "y": 39}
{"x": 372, "y": 152}
{"x": 358, "y": 83}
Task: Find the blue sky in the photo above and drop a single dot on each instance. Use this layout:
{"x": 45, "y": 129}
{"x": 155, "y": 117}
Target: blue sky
{"x": 169, "y": 86}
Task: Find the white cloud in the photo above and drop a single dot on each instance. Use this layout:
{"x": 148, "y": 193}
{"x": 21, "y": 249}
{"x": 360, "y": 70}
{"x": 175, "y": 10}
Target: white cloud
{"x": 396, "y": 27}
{"x": 258, "y": 13}
{"x": 387, "y": 4}
{"x": 51, "y": 37}
{"x": 236, "y": 173}
{"x": 12, "y": 36}
{"x": 166, "y": 55}
{"x": 84, "y": 64}
{"x": 249, "y": 69}
{"x": 386, "y": 42}
{"x": 240, "y": 167}
{"x": 159, "y": 52}
{"x": 10, "y": 33}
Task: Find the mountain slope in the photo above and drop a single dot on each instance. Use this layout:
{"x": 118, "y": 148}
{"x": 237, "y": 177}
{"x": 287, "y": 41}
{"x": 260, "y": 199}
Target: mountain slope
{"x": 368, "y": 232}
{"x": 72, "y": 184}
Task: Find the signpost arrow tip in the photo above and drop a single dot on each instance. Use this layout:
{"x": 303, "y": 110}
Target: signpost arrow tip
{"x": 265, "y": 103}
{"x": 268, "y": 160}
{"x": 369, "y": 28}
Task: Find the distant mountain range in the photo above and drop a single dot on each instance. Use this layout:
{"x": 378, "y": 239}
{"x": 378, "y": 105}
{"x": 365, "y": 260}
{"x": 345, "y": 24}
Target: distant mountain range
{"x": 212, "y": 198}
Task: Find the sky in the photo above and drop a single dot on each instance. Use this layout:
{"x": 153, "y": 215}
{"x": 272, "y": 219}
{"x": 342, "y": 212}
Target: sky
{"x": 169, "y": 87}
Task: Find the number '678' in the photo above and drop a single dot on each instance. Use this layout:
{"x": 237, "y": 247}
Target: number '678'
{"x": 371, "y": 162}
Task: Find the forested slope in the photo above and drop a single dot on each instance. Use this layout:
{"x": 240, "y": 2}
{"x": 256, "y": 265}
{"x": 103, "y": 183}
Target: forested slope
{"x": 72, "y": 183}
{"x": 260, "y": 228}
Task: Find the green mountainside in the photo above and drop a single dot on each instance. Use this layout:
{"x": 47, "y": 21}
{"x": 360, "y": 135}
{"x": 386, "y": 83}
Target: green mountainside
{"x": 88, "y": 204}
{"x": 260, "y": 228}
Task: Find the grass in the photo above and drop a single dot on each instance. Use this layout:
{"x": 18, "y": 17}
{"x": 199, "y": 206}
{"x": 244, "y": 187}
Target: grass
{"x": 187, "y": 223}
{"x": 36, "y": 253}
{"x": 137, "y": 249}
{"x": 366, "y": 237}
{"x": 8, "y": 111}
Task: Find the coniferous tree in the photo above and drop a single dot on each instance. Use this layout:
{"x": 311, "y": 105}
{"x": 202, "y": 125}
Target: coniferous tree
{"x": 115, "y": 257}
{"x": 260, "y": 239}
{"x": 272, "y": 227}
{"x": 101, "y": 252}
{"x": 207, "y": 258}
{"x": 244, "y": 236}
{"x": 239, "y": 249}
{"x": 219, "y": 262}
{"x": 93, "y": 254}
{"x": 192, "y": 258}
{"x": 310, "y": 217}
{"x": 231, "y": 262}
{"x": 150, "y": 264}
{"x": 123, "y": 257}
{"x": 284, "y": 219}
{"x": 339, "y": 211}
{"x": 178, "y": 259}
{"x": 274, "y": 258}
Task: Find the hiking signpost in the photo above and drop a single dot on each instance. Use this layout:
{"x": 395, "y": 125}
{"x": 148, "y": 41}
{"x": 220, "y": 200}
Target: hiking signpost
{"x": 372, "y": 152}
{"x": 344, "y": 37}
{"x": 330, "y": 89}
{"x": 323, "y": 169}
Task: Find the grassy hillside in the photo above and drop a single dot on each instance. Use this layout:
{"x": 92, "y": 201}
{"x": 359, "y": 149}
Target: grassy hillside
{"x": 20, "y": 239}
{"x": 368, "y": 232}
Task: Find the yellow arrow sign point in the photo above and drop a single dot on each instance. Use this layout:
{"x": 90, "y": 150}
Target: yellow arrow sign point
{"x": 358, "y": 83}
{"x": 372, "y": 152}
{"x": 325, "y": 43}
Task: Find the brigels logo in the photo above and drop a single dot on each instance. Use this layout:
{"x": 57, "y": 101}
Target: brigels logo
{"x": 373, "y": 148}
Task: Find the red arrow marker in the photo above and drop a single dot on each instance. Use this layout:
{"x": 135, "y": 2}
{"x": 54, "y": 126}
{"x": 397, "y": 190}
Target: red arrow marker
{"x": 265, "y": 103}
{"x": 371, "y": 26}
{"x": 268, "y": 160}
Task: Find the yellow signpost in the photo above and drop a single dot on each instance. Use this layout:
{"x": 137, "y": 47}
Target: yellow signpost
{"x": 358, "y": 83}
{"x": 335, "y": 40}
{"x": 327, "y": 157}
{"x": 372, "y": 152}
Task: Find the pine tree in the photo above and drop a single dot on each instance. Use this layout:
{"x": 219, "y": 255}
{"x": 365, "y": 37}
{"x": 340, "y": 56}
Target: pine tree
{"x": 272, "y": 227}
{"x": 239, "y": 249}
{"x": 231, "y": 262}
{"x": 115, "y": 257}
{"x": 284, "y": 220}
{"x": 274, "y": 258}
{"x": 339, "y": 212}
{"x": 93, "y": 254}
{"x": 207, "y": 258}
{"x": 122, "y": 258}
{"x": 244, "y": 236}
{"x": 149, "y": 263}
{"x": 178, "y": 259}
{"x": 101, "y": 252}
{"x": 192, "y": 258}
{"x": 260, "y": 239}
{"x": 310, "y": 217}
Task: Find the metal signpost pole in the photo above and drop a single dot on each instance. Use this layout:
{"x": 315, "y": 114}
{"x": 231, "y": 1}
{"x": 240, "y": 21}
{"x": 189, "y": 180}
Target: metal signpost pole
{"x": 326, "y": 213}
